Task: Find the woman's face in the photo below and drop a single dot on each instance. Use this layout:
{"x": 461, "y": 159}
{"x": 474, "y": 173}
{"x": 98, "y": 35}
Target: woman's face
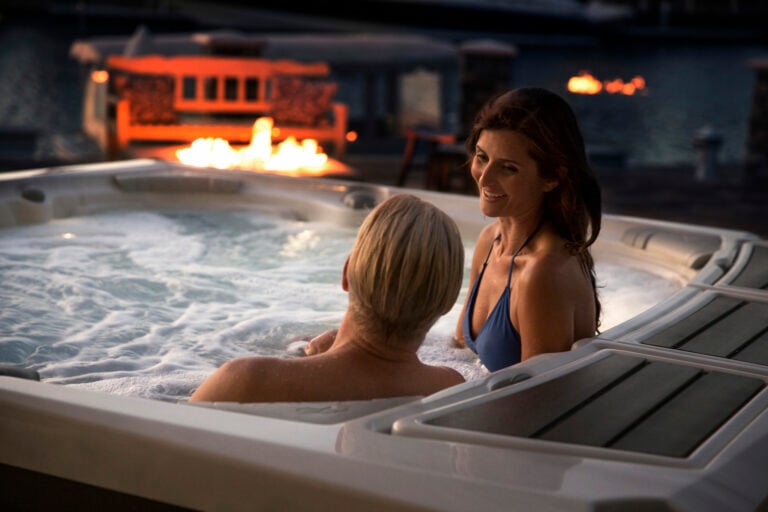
{"x": 507, "y": 177}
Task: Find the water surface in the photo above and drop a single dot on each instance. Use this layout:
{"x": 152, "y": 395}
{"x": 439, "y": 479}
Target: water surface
{"x": 149, "y": 303}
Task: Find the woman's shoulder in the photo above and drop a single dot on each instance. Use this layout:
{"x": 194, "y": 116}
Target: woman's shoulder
{"x": 487, "y": 235}
{"x": 482, "y": 245}
{"x": 552, "y": 263}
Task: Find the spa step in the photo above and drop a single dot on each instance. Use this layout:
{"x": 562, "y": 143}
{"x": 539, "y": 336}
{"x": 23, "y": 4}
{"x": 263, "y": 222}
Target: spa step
{"x": 619, "y": 402}
{"x": 724, "y": 327}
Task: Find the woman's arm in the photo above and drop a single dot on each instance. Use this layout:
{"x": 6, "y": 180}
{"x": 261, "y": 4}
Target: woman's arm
{"x": 545, "y": 309}
{"x": 458, "y": 336}
{"x": 483, "y": 244}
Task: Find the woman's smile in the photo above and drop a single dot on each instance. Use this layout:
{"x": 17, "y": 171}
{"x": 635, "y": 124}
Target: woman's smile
{"x": 491, "y": 196}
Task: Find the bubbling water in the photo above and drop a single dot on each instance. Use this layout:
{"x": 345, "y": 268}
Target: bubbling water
{"x": 150, "y": 303}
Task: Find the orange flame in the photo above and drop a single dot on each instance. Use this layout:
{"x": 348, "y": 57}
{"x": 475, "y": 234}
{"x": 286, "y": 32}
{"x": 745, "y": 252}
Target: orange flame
{"x": 100, "y": 76}
{"x": 289, "y": 155}
{"x": 586, "y": 83}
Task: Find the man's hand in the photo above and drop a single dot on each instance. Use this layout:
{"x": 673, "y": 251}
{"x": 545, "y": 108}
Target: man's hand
{"x": 321, "y": 343}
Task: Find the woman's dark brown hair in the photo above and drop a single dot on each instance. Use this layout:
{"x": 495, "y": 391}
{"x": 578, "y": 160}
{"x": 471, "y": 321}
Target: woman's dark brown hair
{"x": 574, "y": 207}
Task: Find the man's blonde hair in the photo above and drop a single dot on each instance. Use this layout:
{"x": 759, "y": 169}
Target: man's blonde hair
{"x": 406, "y": 267}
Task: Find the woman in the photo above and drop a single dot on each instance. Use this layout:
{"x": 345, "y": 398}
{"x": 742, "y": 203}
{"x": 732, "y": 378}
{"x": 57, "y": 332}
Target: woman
{"x": 404, "y": 272}
{"x": 533, "y": 279}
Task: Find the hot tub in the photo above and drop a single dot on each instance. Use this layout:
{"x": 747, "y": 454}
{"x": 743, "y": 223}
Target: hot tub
{"x": 665, "y": 409}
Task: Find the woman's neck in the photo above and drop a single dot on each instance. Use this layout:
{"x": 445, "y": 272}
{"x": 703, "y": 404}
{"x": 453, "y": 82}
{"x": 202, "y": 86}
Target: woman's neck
{"x": 513, "y": 232}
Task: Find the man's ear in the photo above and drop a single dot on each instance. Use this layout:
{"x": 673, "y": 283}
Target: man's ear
{"x": 344, "y": 282}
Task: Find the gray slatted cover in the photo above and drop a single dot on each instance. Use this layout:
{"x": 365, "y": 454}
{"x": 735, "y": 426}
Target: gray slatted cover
{"x": 707, "y": 315}
{"x": 730, "y": 333}
{"x": 530, "y": 410}
{"x": 615, "y": 411}
{"x": 725, "y": 327}
{"x": 621, "y": 402}
{"x": 684, "y": 422}
{"x": 756, "y": 352}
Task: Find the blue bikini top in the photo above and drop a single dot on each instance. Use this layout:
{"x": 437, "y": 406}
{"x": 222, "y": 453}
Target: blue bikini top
{"x": 498, "y": 342}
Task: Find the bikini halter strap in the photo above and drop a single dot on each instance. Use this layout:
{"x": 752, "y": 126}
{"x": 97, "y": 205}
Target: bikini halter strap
{"x": 530, "y": 237}
{"x": 512, "y": 263}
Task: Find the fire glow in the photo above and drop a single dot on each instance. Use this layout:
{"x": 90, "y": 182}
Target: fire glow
{"x": 586, "y": 83}
{"x": 288, "y": 156}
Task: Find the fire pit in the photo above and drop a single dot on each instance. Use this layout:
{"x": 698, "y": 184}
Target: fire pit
{"x": 291, "y": 157}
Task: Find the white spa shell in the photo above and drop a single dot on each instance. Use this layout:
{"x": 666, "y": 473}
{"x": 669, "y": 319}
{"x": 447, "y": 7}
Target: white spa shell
{"x": 441, "y": 452}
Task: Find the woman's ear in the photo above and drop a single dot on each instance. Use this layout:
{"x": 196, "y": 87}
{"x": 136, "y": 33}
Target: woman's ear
{"x": 344, "y": 282}
{"x": 551, "y": 184}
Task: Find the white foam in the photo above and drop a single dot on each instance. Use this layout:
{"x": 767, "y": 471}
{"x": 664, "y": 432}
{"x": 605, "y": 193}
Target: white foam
{"x": 625, "y": 292}
{"x": 148, "y": 304}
